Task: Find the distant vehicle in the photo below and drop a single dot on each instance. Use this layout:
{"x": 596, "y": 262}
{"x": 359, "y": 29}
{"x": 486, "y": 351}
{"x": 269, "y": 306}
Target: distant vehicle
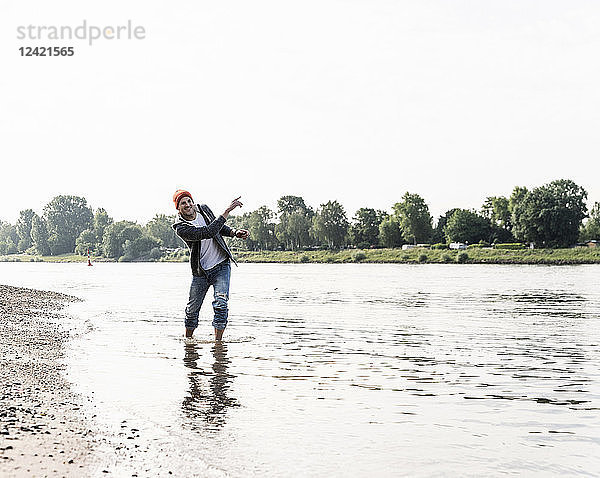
{"x": 457, "y": 245}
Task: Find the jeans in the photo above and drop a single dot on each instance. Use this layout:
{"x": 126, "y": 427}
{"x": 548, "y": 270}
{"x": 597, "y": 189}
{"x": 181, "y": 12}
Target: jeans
{"x": 218, "y": 277}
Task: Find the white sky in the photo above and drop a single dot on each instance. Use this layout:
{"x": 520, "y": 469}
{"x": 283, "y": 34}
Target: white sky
{"x": 354, "y": 100}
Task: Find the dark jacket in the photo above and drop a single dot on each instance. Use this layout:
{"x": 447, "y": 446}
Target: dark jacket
{"x": 192, "y": 235}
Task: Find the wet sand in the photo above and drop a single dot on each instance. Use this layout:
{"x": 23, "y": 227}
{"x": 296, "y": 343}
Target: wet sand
{"x": 42, "y": 429}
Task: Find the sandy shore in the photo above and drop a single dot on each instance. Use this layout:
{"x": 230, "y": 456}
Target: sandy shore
{"x": 42, "y": 429}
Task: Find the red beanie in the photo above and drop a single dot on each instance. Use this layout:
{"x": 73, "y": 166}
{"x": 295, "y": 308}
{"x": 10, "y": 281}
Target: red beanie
{"x": 179, "y": 195}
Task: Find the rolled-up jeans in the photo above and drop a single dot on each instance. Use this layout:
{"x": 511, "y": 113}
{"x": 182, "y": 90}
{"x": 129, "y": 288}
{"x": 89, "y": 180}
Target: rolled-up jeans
{"x": 218, "y": 277}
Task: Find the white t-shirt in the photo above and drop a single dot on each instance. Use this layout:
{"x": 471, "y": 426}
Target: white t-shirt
{"x": 210, "y": 252}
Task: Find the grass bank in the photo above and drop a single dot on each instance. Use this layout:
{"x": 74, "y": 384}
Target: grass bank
{"x": 59, "y": 258}
{"x": 415, "y": 256}
{"x": 394, "y": 256}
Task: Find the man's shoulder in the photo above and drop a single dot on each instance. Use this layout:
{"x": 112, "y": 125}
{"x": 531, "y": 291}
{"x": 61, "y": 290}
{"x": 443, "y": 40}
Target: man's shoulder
{"x": 182, "y": 223}
{"x": 204, "y": 208}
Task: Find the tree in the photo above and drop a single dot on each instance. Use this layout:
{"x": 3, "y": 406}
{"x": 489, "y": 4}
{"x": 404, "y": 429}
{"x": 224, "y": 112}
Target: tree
{"x": 240, "y": 222}
{"x": 591, "y": 230}
{"x": 497, "y": 210}
{"x": 8, "y": 238}
{"x": 390, "y": 234}
{"x": 331, "y": 224}
{"x": 551, "y": 215}
{"x": 295, "y": 222}
{"x": 439, "y": 232}
{"x": 515, "y": 200}
{"x": 7, "y": 246}
{"x": 467, "y": 226}
{"x": 23, "y": 228}
{"x": 414, "y": 218}
{"x": 115, "y": 236}
{"x": 364, "y": 231}
{"x": 101, "y": 221}
{"x": 91, "y": 239}
{"x": 86, "y": 241}
{"x": 66, "y": 217}
{"x": 39, "y": 236}
{"x": 500, "y": 235}
{"x": 138, "y": 248}
{"x": 294, "y": 229}
{"x": 160, "y": 228}
{"x": 290, "y": 204}
{"x": 262, "y": 228}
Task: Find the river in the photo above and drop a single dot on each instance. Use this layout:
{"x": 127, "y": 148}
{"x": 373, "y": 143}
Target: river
{"x": 341, "y": 369}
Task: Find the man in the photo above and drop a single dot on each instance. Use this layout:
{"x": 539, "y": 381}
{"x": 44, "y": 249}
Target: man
{"x": 209, "y": 257}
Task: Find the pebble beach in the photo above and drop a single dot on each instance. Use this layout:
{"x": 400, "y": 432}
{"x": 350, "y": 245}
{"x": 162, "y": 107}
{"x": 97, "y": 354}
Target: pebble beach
{"x": 43, "y": 431}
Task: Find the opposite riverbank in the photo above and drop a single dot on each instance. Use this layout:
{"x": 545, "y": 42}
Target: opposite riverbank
{"x": 431, "y": 256}
{"x": 571, "y": 256}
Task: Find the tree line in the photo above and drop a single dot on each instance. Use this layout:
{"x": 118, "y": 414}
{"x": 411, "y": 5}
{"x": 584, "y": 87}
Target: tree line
{"x": 68, "y": 225}
{"x": 551, "y": 216}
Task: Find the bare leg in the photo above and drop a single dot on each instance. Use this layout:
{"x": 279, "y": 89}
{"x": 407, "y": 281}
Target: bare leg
{"x": 189, "y": 332}
{"x": 219, "y": 334}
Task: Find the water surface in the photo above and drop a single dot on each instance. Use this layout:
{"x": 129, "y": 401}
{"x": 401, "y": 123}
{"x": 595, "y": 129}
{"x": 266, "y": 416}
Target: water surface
{"x": 337, "y": 370}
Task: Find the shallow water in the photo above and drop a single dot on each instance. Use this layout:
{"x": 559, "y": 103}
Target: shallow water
{"x": 349, "y": 369}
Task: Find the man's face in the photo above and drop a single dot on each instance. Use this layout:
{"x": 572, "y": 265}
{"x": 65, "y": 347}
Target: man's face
{"x": 186, "y": 208}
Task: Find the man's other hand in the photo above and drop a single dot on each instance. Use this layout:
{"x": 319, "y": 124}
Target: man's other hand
{"x": 242, "y": 234}
{"x": 235, "y": 203}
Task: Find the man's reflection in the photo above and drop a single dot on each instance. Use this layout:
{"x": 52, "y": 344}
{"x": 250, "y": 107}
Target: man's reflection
{"x": 209, "y": 405}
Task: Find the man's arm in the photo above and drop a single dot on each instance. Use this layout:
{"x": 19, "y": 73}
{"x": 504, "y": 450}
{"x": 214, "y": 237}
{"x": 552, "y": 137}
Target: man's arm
{"x": 227, "y": 231}
{"x": 192, "y": 233}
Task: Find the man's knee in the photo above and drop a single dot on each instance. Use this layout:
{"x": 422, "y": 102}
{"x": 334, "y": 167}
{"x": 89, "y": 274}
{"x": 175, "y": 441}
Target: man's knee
{"x": 220, "y": 301}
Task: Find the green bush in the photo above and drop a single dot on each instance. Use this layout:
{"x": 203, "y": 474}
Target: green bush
{"x": 359, "y": 256}
{"x": 155, "y": 253}
{"x": 423, "y": 258}
{"x": 439, "y": 246}
{"x": 304, "y": 258}
{"x": 139, "y": 248}
{"x": 511, "y": 246}
{"x": 476, "y": 246}
{"x": 447, "y": 258}
{"x": 462, "y": 257}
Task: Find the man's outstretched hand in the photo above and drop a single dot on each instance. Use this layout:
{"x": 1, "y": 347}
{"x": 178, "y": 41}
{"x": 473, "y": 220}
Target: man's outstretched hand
{"x": 235, "y": 203}
{"x": 239, "y": 233}
{"x": 242, "y": 233}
